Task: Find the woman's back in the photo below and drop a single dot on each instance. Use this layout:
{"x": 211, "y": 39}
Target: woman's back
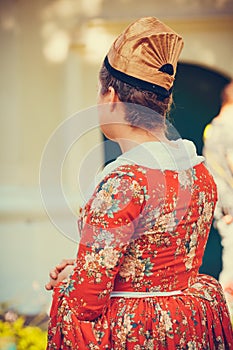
{"x": 159, "y": 300}
{"x": 169, "y": 241}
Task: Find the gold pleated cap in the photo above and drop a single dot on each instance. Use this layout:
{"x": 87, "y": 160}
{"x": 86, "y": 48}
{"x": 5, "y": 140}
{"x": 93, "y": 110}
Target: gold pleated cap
{"x": 147, "y": 51}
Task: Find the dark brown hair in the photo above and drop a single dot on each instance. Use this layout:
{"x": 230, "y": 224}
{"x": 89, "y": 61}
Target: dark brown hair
{"x": 143, "y": 108}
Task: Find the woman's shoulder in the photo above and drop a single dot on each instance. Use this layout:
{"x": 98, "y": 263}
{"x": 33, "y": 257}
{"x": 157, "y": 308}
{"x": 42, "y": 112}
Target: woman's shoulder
{"x": 131, "y": 172}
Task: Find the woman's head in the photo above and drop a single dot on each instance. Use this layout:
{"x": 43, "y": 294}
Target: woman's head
{"x": 227, "y": 94}
{"x": 140, "y": 66}
{"x": 156, "y": 107}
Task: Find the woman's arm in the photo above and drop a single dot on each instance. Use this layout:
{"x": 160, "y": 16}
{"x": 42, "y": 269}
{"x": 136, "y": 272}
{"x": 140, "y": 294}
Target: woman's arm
{"x": 108, "y": 225}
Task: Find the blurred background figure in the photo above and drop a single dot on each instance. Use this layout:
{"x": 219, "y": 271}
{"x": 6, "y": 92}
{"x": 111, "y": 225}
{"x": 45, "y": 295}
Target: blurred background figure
{"x": 218, "y": 151}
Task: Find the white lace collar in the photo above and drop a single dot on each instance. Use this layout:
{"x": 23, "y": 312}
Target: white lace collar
{"x": 176, "y": 155}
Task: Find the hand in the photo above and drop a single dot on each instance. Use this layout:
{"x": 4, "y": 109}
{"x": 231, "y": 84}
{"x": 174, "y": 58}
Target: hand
{"x": 60, "y": 272}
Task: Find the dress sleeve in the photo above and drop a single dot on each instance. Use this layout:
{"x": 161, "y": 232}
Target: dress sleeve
{"x": 107, "y": 226}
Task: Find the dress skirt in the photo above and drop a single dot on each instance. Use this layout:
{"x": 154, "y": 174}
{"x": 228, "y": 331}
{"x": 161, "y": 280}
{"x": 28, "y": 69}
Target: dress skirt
{"x": 196, "y": 319}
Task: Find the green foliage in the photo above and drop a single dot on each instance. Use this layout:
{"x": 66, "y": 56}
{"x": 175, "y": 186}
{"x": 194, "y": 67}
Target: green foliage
{"x": 17, "y": 335}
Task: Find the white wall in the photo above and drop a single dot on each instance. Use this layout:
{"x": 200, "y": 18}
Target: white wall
{"x": 208, "y": 43}
{"x": 36, "y": 96}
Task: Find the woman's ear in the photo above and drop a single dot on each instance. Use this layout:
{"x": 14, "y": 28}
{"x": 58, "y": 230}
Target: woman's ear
{"x": 113, "y": 97}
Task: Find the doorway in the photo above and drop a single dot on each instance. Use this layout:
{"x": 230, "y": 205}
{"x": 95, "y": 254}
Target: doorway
{"x": 197, "y": 93}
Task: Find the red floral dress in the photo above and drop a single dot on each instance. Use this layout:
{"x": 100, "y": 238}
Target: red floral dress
{"x": 143, "y": 230}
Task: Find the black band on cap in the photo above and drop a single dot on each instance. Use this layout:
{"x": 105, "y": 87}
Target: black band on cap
{"x": 138, "y": 83}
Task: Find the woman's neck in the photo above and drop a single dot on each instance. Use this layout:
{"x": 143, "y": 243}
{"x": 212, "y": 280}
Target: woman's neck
{"x": 137, "y": 137}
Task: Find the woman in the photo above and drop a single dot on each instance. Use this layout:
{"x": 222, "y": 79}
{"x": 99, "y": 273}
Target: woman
{"x": 135, "y": 284}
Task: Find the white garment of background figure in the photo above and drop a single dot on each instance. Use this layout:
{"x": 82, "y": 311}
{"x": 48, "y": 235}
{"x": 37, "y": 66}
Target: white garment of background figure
{"x": 218, "y": 151}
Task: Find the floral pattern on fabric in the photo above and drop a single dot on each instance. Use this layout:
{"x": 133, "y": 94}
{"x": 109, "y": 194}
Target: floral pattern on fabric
{"x": 143, "y": 230}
